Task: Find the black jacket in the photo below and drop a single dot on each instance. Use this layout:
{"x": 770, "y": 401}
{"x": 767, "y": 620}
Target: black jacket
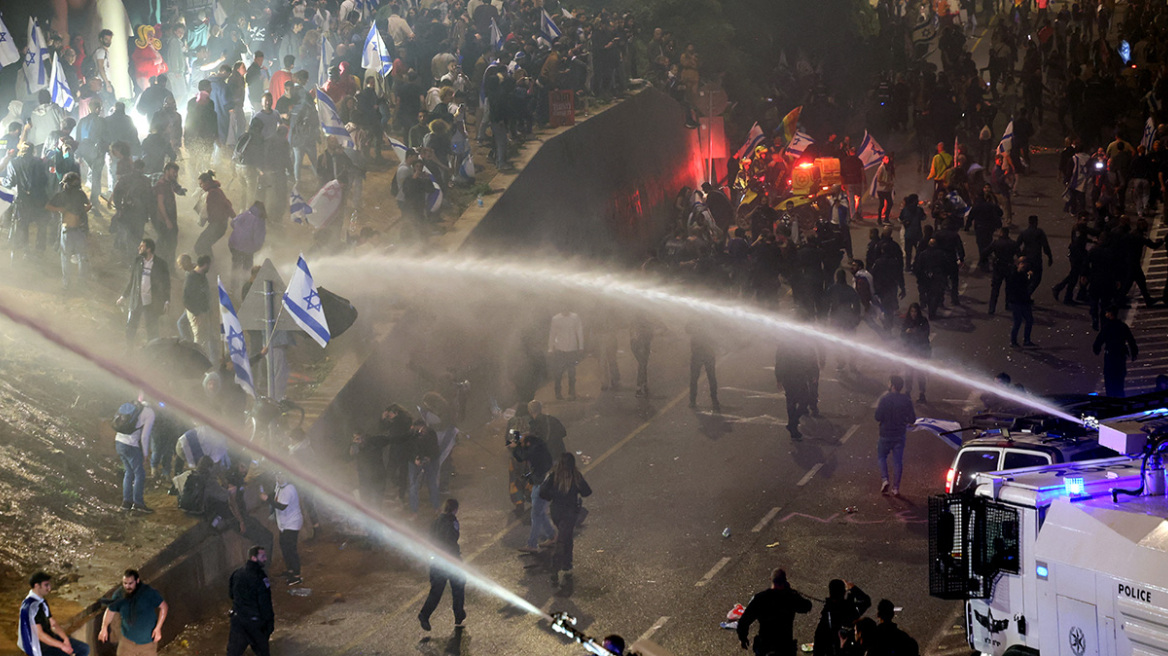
{"x": 838, "y": 614}
{"x": 563, "y": 503}
{"x": 1116, "y": 339}
{"x": 1002, "y": 253}
{"x": 197, "y": 293}
{"x": 159, "y": 283}
{"x": 774, "y": 610}
{"x": 444, "y": 532}
{"x": 535, "y": 454}
{"x": 251, "y": 595}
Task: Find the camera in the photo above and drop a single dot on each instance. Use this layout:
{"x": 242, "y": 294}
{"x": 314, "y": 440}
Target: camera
{"x": 514, "y": 437}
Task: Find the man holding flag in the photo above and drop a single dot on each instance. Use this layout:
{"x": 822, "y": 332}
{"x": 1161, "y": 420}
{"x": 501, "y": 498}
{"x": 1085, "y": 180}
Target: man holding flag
{"x": 375, "y": 56}
{"x": 59, "y": 89}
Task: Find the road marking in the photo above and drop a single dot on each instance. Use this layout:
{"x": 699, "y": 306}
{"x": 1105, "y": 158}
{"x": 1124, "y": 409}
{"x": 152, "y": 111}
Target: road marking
{"x": 655, "y": 628}
{"x": 766, "y": 519}
{"x": 495, "y": 539}
{"x": 628, "y": 438}
{"x": 713, "y": 571}
{"x": 807, "y": 477}
{"x": 848, "y": 435}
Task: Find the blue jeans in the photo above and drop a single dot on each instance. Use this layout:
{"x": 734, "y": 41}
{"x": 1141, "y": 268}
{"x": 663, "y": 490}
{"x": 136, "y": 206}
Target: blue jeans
{"x": 895, "y": 447}
{"x": 134, "y": 480}
{"x": 417, "y": 472}
{"x": 79, "y": 649}
{"x": 541, "y": 522}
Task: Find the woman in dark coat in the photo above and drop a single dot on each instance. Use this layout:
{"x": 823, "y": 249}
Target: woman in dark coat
{"x": 563, "y": 488}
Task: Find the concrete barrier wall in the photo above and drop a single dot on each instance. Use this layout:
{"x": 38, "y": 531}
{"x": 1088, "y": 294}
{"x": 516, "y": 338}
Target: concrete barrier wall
{"x": 603, "y": 189}
{"x": 192, "y": 575}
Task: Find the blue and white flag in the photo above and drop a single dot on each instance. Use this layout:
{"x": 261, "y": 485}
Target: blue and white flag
{"x": 234, "y": 340}
{"x": 399, "y": 149}
{"x": 1007, "y": 141}
{"x": 496, "y": 36}
{"x": 36, "y": 75}
{"x": 566, "y": 13}
{"x": 297, "y": 206}
{"x": 870, "y": 153}
{"x": 434, "y": 200}
{"x": 753, "y": 139}
{"x": 303, "y": 304}
{"x": 548, "y": 27}
{"x": 799, "y": 144}
{"x": 1145, "y": 141}
{"x": 8, "y": 52}
{"x": 59, "y": 87}
{"x": 326, "y": 55}
{"x": 330, "y": 121}
{"x": 947, "y": 430}
{"x": 376, "y": 55}
{"x": 467, "y": 168}
{"x": 7, "y": 198}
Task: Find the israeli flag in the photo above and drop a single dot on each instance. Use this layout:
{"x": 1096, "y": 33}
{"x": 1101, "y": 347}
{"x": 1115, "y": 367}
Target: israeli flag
{"x": 547, "y": 27}
{"x": 948, "y": 431}
{"x": 1145, "y": 141}
{"x": 399, "y": 149}
{"x": 7, "y": 198}
{"x": 297, "y": 206}
{"x": 234, "y": 339}
{"x": 434, "y": 200}
{"x": 467, "y": 168}
{"x": 302, "y": 302}
{"x": 871, "y": 154}
{"x": 376, "y": 55}
{"x": 753, "y": 139}
{"x": 496, "y": 36}
{"x": 326, "y": 55}
{"x": 8, "y": 52}
{"x": 799, "y": 144}
{"x": 59, "y": 87}
{"x": 1007, "y": 141}
{"x": 330, "y": 121}
{"x": 35, "y": 75}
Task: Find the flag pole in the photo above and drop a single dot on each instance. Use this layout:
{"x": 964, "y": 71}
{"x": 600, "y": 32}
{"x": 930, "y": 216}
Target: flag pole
{"x": 270, "y": 319}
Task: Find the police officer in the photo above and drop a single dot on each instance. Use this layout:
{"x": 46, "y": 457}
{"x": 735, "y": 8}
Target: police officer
{"x": 931, "y": 269}
{"x": 774, "y": 609}
{"x": 444, "y": 533}
{"x": 252, "y": 618}
{"x": 1003, "y": 250}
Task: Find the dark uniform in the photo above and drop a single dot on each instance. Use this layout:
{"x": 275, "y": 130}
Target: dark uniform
{"x": 1002, "y": 253}
{"x": 702, "y": 356}
{"x": 1116, "y": 341}
{"x": 931, "y": 269}
{"x": 796, "y": 368}
{"x": 774, "y": 610}
{"x": 444, "y": 533}
{"x": 252, "y": 618}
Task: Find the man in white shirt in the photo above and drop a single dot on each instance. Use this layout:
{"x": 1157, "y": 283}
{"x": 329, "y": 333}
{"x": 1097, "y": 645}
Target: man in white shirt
{"x": 286, "y": 502}
{"x": 397, "y": 27}
{"x": 565, "y": 342}
{"x": 133, "y": 448}
{"x": 101, "y": 60}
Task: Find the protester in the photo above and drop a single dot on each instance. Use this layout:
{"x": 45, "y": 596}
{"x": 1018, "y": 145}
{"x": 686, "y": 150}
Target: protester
{"x": 252, "y": 617}
{"x": 894, "y": 414}
{"x": 141, "y": 611}
{"x": 445, "y": 533}
{"x": 38, "y": 633}
{"x": 563, "y": 488}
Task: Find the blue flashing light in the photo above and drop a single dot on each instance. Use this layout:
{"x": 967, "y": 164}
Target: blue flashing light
{"x": 1074, "y": 486}
{"x": 1092, "y": 393}
{"x": 1042, "y": 571}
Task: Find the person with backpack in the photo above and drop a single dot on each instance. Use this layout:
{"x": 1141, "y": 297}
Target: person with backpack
{"x": 133, "y": 425}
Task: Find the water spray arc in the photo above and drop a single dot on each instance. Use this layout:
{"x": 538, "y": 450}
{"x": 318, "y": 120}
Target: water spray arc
{"x": 402, "y": 537}
{"x": 443, "y": 273}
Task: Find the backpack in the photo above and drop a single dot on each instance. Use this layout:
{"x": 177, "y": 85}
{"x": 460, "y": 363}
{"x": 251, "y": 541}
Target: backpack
{"x": 241, "y": 147}
{"x": 192, "y": 495}
{"x": 125, "y": 421}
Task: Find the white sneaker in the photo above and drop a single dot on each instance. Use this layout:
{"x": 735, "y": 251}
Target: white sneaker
{"x": 895, "y": 492}
{"x": 884, "y": 487}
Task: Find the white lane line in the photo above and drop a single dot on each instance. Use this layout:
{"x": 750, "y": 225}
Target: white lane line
{"x": 655, "y": 628}
{"x": 713, "y": 571}
{"x": 848, "y": 435}
{"x": 766, "y": 519}
{"x": 807, "y": 477}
